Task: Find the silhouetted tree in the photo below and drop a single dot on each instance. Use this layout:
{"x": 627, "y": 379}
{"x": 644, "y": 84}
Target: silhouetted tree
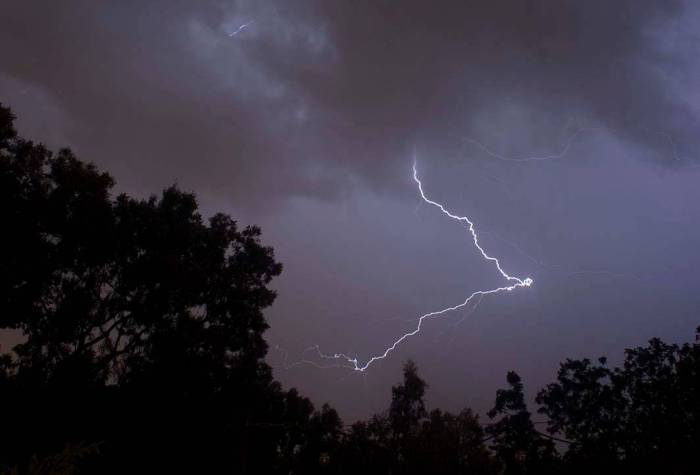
{"x": 142, "y": 323}
{"x": 407, "y": 405}
{"x": 143, "y": 352}
{"x": 409, "y": 440}
{"x": 366, "y": 447}
{"x": 517, "y": 444}
{"x": 642, "y": 417}
{"x": 65, "y": 462}
{"x": 453, "y": 444}
{"x": 324, "y": 436}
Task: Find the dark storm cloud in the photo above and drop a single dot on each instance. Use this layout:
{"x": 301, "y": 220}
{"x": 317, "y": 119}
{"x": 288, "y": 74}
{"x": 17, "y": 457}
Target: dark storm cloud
{"x": 163, "y": 84}
{"x": 314, "y": 96}
{"x": 414, "y": 72}
{"x": 306, "y": 122}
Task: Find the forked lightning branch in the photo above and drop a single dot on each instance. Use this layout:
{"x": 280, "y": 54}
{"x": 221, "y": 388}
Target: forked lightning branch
{"x": 512, "y": 281}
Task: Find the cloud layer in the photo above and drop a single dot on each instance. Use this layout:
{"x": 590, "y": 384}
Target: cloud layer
{"x": 314, "y": 97}
{"x": 307, "y": 120}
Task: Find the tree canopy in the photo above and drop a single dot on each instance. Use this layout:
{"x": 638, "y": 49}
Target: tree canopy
{"x": 143, "y": 352}
{"x": 142, "y": 323}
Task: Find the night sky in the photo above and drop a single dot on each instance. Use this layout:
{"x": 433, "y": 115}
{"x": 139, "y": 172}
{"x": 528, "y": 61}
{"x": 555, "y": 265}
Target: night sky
{"x": 566, "y": 130}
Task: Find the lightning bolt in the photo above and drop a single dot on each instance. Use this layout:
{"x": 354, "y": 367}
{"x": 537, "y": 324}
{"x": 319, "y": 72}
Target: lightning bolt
{"x": 674, "y": 147}
{"x": 515, "y": 282}
{"x": 535, "y": 158}
{"x": 241, "y": 28}
{"x": 675, "y": 154}
{"x": 287, "y": 365}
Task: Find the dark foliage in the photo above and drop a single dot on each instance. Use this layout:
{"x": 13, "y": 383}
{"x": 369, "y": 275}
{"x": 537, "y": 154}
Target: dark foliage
{"x": 643, "y": 417}
{"x": 143, "y": 353}
{"x": 516, "y": 443}
{"x": 143, "y": 328}
{"x": 409, "y": 440}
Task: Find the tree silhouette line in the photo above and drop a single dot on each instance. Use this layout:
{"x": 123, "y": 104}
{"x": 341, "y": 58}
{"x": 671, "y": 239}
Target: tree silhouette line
{"x": 143, "y": 352}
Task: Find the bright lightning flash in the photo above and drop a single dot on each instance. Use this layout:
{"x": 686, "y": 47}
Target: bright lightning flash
{"x": 515, "y": 282}
{"x": 241, "y": 28}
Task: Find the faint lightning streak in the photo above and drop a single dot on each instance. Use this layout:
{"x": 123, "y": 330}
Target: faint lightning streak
{"x": 241, "y": 28}
{"x": 354, "y": 364}
{"x": 466, "y": 314}
{"x": 534, "y": 158}
{"x": 674, "y": 146}
{"x": 286, "y": 365}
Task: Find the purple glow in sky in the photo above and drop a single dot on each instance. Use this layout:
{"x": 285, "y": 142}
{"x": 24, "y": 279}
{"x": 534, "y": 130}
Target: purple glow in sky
{"x": 567, "y": 131}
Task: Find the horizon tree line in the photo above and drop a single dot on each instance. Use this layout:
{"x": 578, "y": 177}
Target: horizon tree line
{"x": 143, "y": 352}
